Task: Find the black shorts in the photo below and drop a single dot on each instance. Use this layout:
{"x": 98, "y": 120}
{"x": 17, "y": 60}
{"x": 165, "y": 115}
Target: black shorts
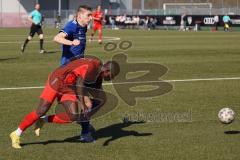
{"x": 35, "y": 28}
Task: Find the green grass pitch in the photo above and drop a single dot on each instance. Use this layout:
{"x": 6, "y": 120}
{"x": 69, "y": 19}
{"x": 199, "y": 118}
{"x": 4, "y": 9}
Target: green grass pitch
{"x": 187, "y": 55}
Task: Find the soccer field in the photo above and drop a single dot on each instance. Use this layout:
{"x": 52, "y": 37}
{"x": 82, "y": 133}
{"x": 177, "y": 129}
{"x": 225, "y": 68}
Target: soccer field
{"x": 203, "y": 68}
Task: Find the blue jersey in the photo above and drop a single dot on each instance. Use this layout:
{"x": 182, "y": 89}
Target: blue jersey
{"x": 36, "y": 17}
{"x": 73, "y": 31}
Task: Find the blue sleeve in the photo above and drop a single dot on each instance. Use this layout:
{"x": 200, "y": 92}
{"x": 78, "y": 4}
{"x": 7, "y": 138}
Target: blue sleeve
{"x": 68, "y": 29}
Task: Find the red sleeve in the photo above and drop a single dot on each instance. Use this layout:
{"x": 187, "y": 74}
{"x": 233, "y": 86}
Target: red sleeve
{"x": 98, "y": 15}
{"x": 94, "y": 14}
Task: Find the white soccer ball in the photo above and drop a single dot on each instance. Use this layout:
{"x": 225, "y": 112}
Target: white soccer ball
{"x": 226, "y": 115}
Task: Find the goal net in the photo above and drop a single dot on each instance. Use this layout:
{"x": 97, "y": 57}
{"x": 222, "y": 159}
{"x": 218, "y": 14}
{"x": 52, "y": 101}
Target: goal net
{"x": 188, "y": 8}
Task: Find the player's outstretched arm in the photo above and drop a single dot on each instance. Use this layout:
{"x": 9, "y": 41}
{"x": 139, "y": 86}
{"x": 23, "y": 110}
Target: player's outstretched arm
{"x": 61, "y": 38}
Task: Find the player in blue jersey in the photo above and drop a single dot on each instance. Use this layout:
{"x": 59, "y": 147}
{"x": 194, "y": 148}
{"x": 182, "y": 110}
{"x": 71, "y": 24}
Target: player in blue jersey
{"x": 35, "y": 18}
{"x": 73, "y": 40}
{"x": 73, "y": 35}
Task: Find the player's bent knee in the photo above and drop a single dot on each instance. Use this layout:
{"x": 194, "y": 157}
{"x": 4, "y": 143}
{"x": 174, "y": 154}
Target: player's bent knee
{"x": 71, "y": 109}
{"x": 29, "y": 38}
{"x": 41, "y": 111}
{"x": 43, "y": 107}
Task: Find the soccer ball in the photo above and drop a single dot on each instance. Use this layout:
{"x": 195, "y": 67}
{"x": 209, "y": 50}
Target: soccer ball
{"x": 226, "y": 115}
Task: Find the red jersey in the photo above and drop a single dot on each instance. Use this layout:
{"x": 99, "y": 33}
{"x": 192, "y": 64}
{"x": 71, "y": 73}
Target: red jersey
{"x": 64, "y": 78}
{"x": 99, "y": 16}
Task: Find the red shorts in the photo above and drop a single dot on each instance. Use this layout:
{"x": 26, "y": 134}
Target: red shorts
{"x": 49, "y": 94}
{"x": 97, "y": 26}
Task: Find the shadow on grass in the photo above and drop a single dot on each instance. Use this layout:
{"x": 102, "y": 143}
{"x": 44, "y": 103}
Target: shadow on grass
{"x": 51, "y": 52}
{"x": 232, "y": 132}
{"x": 8, "y": 59}
{"x": 114, "y": 132}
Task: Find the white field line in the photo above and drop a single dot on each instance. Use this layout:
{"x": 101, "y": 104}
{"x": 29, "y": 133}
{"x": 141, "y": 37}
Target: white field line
{"x": 142, "y": 82}
{"x": 37, "y": 41}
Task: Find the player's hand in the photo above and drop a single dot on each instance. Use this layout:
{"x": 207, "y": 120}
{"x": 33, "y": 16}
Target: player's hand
{"x": 85, "y": 113}
{"x": 75, "y": 42}
{"x": 88, "y": 102}
{"x": 86, "y": 107}
{"x": 83, "y": 107}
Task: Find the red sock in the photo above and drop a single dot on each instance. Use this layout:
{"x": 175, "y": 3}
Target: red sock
{"x": 100, "y": 35}
{"x": 59, "y": 118}
{"x": 28, "y": 120}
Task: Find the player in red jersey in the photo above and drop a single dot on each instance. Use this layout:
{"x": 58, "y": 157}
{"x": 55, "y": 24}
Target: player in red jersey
{"x": 66, "y": 84}
{"x": 97, "y": 17}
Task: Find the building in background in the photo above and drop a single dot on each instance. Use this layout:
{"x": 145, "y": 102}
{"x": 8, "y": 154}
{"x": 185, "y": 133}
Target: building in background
{"x": 13, "y": 13}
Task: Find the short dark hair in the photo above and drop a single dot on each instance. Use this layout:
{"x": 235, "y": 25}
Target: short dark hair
{"x": 84, "y": 7}
{"x": 113, "y": 66}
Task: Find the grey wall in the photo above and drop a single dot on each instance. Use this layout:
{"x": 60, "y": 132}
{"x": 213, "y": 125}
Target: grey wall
{"x": 53, "y": 4}
{"x": 117, "y": 4}
{"x": 126, "y": 4}
{"x": 73, "y": 4}
{"x": 13, "y": 6}
{"x": 28, "y": 5}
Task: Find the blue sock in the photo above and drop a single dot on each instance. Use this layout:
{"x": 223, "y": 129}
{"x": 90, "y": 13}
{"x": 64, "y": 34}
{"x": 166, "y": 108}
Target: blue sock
{"x": 85, "y": 127}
